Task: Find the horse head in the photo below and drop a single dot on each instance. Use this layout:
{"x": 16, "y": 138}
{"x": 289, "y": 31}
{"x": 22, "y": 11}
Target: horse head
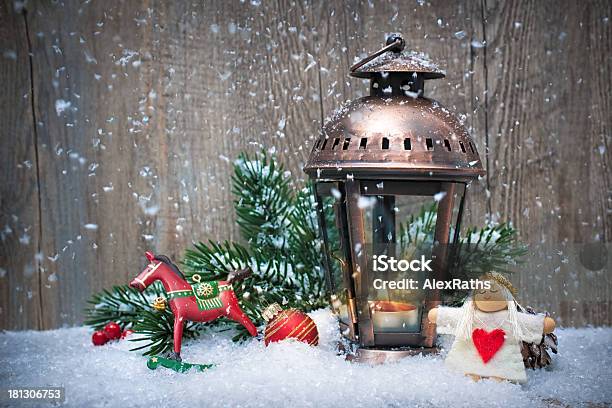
{"x": 149, "y": 274}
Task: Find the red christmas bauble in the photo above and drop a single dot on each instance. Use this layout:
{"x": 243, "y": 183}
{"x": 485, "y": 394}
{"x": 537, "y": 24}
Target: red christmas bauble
{"x": 112, "y": 330}
{"x": 126, "y": 333}
{"x": 99, "y": 338}
{"x": 289, "y": 324}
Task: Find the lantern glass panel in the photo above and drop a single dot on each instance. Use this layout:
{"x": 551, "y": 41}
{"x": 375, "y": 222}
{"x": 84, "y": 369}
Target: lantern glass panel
{"x": 332, "y": 207}
{"x": 401, "y": 223}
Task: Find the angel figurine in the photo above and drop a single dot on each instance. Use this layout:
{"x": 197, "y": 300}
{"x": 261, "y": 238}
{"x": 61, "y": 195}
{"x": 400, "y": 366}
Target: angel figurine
{"x": 488, "y": 331}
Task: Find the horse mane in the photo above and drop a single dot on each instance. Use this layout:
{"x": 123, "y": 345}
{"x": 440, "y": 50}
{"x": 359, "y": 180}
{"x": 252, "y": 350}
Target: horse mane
{"x": 169, "y": 263}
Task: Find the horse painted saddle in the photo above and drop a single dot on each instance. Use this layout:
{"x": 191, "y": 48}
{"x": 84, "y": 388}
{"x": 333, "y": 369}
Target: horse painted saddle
{"x": 205, "y": 292}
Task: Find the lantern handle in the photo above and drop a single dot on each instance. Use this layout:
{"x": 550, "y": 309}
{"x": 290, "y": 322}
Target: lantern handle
{"x": 394, "y": 43}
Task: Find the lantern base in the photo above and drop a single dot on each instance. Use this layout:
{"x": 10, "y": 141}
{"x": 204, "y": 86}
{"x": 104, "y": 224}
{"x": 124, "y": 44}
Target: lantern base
{"x": 378, "y": 356}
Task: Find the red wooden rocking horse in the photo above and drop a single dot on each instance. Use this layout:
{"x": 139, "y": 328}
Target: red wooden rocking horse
{"x": 200, "y": 302}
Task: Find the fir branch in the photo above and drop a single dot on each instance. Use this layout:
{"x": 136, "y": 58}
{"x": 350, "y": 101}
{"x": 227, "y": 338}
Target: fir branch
{"x": 304, "y": 243}
{"x": 156, "y": 328}
{"x": 491, "y": 248}
{"x": 263, "y": 200}
{"x": 120, "y": 304}
{"x": 479, "y": 250}
{"x": 273, "y": 280}
{"x": 417, "y": 232}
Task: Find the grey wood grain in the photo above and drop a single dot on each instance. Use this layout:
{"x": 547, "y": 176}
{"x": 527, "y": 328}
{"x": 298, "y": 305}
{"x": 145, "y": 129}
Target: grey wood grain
{"x": 548, "y": 130}
{"x": 87, "y": 101}
{"x": 20, "y": 267}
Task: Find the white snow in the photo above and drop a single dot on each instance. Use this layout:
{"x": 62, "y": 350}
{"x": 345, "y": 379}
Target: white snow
{"x": 478, "y": 44}
{"x": 336, "y": 193}
{"x": 61, "y": 106}
{"x": 439, "y": 196}
{"x": 292, "y": 374}
{"x": 460, "y": 35}
{"x": 127, "y": 55}
{"x": 366, "y": 202}
{"x": 24, "y": 239}
{"x": 10, "y": 54}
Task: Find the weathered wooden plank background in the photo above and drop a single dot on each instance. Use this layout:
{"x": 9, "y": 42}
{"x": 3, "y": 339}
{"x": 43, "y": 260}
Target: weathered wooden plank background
{"x": 118, "y": 119}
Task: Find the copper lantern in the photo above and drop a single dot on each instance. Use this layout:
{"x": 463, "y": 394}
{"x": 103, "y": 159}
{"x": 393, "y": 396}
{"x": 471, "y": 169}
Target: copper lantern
{"x": 387, "y": 169}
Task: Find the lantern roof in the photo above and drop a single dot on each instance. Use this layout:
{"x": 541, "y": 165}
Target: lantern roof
{"x": 397, "y": 137}
{"x": 407, "y": 61}
{"x": 392, "y": 59}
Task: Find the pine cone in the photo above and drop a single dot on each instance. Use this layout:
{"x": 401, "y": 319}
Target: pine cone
{"x": 536, "y": 355}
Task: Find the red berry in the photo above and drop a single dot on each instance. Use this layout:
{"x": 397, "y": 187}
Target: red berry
{"x": 126, "y": 333}
{"x": 99, "y": 338}
{"x": 112, "y": 330}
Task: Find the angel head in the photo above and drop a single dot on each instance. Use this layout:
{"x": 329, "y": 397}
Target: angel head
{"x": 497, "y": 297}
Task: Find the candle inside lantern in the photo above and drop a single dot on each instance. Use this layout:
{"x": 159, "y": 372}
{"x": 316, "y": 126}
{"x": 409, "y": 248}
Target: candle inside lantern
{"x": 394, "y": 317}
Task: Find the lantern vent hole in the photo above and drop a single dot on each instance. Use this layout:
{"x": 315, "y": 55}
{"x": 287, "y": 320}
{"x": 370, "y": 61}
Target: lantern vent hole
{"x": 385, "y": 143}
{"x": 447, "y": 144}
{"x": 346, "y": 144}
{"x": 363, "y": 143}
{"x": 472, "y": 147}
{"x": 429, "y": 143}
{"x": 323, "y": 145}
{"x": 407, "y": 145}
{"x": 462, "y": 146}
{"x": 336, "y": 143}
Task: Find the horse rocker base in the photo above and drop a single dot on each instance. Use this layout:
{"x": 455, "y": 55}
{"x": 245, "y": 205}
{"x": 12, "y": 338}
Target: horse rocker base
{"x": 156, "y": 361}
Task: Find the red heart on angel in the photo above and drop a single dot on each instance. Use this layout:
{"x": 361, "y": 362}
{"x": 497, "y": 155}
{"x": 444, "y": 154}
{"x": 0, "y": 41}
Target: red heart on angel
{"x": 488, "y": 343}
